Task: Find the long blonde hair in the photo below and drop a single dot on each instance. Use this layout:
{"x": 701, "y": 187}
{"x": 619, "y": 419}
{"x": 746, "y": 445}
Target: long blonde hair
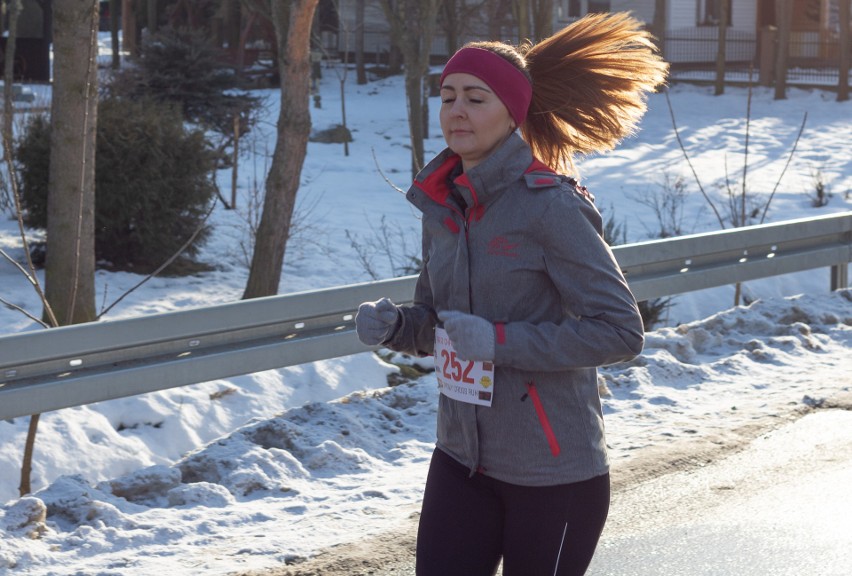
{"x": 590, "y": 84}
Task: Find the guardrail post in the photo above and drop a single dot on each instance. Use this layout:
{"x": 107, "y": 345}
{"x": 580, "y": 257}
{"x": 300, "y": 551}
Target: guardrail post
{"x": 840, "y": 271}
{"x": 839, "y": 276}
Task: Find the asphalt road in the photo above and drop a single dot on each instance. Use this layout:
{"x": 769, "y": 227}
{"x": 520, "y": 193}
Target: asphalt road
{"x": 777, "y": 503}
{"x": 781, "y": 507}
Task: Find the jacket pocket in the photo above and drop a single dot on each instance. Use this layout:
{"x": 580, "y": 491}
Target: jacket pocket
{"x": 543, "y": 420}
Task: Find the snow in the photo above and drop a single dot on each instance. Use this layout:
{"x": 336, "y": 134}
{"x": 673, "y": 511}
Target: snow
{"x": 263, "y": 469}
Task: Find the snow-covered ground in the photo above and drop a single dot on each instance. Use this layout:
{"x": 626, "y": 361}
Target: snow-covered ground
{"x": 261, "y": 469}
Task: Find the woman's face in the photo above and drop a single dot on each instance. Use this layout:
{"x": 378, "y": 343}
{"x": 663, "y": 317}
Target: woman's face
{"x": 473, "y": 119}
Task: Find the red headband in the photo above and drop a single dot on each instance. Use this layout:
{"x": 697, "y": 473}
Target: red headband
{"x": 508, "y": 83}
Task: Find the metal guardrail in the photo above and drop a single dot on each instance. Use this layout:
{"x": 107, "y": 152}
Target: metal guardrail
{"x": 75, "y": 365}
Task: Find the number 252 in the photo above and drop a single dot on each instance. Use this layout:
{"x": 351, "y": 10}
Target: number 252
{"x": 453, "y": 368}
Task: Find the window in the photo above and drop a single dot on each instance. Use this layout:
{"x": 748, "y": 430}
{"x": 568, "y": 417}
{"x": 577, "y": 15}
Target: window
{"x": 713, "y": 12}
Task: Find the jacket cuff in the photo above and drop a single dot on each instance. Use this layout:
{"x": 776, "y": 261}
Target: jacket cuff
{"x": 499, "y": 333}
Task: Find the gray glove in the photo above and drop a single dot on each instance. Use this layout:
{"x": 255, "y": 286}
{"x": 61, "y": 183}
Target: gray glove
{"x": 375, "y": 322}
{"x": 472, "y": 336}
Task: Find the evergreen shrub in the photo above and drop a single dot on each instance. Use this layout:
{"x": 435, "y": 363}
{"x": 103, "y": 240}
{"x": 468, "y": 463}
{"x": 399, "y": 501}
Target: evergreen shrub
{"x": 183, "y": 67}
{"x": 153, "y": 182}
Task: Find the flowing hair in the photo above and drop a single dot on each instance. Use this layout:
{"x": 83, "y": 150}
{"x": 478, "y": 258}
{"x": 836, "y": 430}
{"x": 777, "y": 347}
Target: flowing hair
{"x": 590, "y": 83}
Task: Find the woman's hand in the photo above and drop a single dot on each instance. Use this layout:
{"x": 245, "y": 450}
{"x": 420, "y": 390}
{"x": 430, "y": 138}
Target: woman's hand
{"x": 376, "y": 322}
{"x": 472, "y": 336}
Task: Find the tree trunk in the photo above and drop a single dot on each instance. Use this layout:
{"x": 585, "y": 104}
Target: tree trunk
{"x": 394, "y": 59}
{"x": 451, "y": 23}
{"x": 658, "y": 27}
{"x": 721, "y": 48}
{"x": 494, "y": 19}
{"x": 153, "y": 17}
{"x": 232, "y": 20}
{"x": 412, "y": 27}
{"x": 543, "y": 18}
{"x": 522, "y": 17}
{"x": 70, "y": 265}
{"x": 294, "y": 127}
{"x": 360, "y": 67}
{"x": 25, "y": 487}
{"x": 113, "y": 29}
{"x": 845, "y": 47}
{"x": 413, "y": 92}
{"x": 499, "y": 12}
{"x": 129, "y": 27}
{"x": 784, "y": 14}
{"x": 14, "y": 9}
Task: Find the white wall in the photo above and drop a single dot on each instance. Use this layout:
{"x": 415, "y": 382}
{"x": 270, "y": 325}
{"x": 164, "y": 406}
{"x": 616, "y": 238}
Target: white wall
{"x": 682, "y": 18}
{"x": 744, "y": 15}
{"x": 682, "y": 14}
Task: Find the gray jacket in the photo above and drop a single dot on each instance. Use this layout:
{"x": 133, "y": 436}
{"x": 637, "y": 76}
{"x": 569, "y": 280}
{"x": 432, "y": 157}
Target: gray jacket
{"x": 517, "y": 244}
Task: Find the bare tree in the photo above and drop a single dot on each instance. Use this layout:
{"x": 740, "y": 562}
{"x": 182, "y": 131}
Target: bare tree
{"x": 70, "y": 265}
{"x": 542, "y": 16}
{"x": 8, "y": 77}
{"x": 721, "y": 50}
{"x": 153, "y": 17}
{"x": 231, "y": 13}
{"x": 521, "y": 11}
{"x": 784, "y": 17}
{"x": 739, "y": 211}
{"x": 292, "y": 22}
{"x": 69, "y": 295}
{"x": 451, "y": 22}
{"x": 341, "y": 71}
{"x": 13, "y": 11}
{"x": 845, "y": 46}
{"x": 113, "y": 29}
{"x": 412, "y": 27}
{"x": 455, "y": 19}
{"x": 499, "y": 14}
{"x": 129, "y": 23}
{"x": 360, "y": 67}
{"x": 658, "y": 26}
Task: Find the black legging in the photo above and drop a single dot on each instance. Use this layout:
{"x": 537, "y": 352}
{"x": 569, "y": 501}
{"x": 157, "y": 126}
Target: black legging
{"x": 468, "y": 523}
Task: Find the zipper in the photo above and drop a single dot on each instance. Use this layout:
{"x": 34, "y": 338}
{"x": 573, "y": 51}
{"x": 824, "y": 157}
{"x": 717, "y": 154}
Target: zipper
{"x": 543, "y": 420}
{"x": 466, "y": 220}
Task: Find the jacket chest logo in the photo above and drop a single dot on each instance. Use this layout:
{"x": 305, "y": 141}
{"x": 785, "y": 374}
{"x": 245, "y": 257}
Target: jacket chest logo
{"x": 500, "y": 246}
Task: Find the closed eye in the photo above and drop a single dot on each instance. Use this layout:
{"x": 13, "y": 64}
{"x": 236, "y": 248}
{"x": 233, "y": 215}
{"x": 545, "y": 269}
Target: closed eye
{"x": 470, "y": 100}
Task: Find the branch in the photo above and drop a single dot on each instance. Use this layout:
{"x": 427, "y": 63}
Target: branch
{"x": 221, "y": 198}
{"x": 379, "y": 168}
{"x": 165, "y": 264}
{"x": 17, "y": 265}
{"x": 13, "y": 181}
{"x": 732, "y": 199}
{"x": 745, "y": 159}
{"x": 685, "y": 155}
{"x": 24, "y": 312}
{"x": 31, "y": 275}
{"x": 789, "y": 158}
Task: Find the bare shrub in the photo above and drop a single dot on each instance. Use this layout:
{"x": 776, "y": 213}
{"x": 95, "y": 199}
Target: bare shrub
{"x": 388, "y": 241}
{"x": 820, "y": 192}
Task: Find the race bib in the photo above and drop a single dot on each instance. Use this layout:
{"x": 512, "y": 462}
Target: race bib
{"x": 463, "y": 380}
